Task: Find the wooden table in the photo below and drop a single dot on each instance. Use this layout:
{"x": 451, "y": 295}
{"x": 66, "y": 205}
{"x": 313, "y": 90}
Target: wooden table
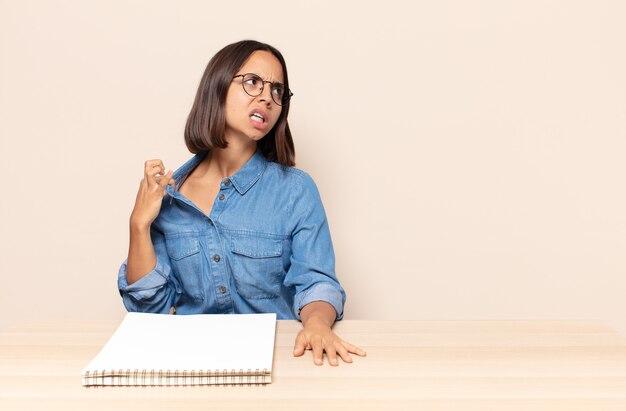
{"x": 426, "y": 365}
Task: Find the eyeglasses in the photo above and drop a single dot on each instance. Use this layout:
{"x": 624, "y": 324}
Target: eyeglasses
{"x": 253, "y": 85}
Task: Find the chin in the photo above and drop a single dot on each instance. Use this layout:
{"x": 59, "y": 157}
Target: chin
{"x": 257, "y": 137}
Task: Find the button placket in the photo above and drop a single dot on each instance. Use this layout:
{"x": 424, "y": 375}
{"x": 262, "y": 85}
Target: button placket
{"x": 219, "y": 275}
{"x": 225, "y": 185}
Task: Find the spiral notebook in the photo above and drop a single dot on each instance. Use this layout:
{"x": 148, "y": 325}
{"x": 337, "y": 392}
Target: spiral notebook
{"x": 174, "y": 350}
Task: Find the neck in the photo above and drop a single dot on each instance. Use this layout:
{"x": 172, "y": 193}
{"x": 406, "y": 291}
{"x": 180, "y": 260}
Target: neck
{"x": 225, "y": 162}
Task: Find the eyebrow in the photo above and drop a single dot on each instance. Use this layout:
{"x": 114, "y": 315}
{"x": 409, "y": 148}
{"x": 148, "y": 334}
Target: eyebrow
{"x": 262, "y": 78}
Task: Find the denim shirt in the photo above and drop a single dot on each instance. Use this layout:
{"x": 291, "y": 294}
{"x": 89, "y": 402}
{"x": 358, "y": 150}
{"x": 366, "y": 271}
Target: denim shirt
{"x": 265, "y": 247}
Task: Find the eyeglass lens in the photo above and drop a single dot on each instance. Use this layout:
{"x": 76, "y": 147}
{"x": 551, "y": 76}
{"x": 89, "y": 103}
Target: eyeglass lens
{"x": 253, "y": 85}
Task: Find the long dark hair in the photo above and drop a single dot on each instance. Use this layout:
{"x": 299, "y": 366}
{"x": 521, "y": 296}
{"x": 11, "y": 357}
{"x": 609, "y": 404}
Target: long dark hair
{"x": 206, "y": 123}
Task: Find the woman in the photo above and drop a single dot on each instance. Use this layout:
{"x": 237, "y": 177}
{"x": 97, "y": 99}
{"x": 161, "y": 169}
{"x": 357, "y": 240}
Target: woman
{"x": 237, "y": 229}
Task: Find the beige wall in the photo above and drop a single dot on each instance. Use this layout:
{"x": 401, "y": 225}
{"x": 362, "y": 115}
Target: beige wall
{"x": 470, "y": 155}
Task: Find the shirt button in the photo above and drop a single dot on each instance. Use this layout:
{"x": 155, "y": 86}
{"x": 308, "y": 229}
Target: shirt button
{"x": 222, "y": 196}
{"x": 211, "y": 222}
{"x": 222, "y": 289}
{"x": 216, "y": 258}
{"x": 227, "y": 182}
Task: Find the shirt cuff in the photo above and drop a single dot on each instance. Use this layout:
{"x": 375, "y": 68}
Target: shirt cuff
{"x": 148, "y": 285}
{"x": 321, "y": 292}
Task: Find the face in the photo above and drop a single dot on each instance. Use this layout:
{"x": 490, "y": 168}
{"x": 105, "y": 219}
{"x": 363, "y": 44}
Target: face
{"x": 241, "y": 123}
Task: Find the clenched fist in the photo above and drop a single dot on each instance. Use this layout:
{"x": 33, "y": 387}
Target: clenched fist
{"x": 150, "y": 194}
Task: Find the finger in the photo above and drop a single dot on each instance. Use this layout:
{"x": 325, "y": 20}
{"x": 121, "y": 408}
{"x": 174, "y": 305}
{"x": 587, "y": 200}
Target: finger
{"x": 354, "y": 349}
{"x": 155, "y": 181}
{"x": 300, "y": 346}
{"x": 343, "y": 352}
{"x": 151, "y": 165}
{"x": 318, "y": 351}
{"x": 332, "y": 355}
{"x": 165, "y": 180}
{"x": 154, "y": 177}
{"x": 156, "y": 171}
{"x": 158, "y": 178}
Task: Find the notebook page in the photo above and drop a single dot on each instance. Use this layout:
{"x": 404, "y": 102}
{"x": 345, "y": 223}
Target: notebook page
{"x": 189, "y": 342}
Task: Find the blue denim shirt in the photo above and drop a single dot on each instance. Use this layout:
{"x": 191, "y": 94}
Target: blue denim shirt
{"x": 265, "y": 247}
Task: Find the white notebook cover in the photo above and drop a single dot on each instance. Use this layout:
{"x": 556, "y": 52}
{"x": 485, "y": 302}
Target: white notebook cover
{"x": 189, "y": 342}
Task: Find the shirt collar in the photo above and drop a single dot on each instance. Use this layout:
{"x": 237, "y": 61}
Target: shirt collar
{"x": 250, "y": 173}
{"x": 242, "y": 180}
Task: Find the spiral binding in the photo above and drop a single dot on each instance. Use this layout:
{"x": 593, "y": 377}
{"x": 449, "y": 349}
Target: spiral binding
{"x": 152, "y": 378}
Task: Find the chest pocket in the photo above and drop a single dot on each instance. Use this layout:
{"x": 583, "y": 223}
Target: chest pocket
{"x": 257, "y": 268}
{"x": 186, "y": 259}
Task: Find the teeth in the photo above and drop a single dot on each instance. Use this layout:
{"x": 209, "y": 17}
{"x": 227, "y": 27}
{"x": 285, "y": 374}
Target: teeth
{"x": 257, "y": 115}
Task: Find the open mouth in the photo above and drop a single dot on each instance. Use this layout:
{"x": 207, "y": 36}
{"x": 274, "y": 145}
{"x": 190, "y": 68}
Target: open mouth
{"x": 257, "y": 118}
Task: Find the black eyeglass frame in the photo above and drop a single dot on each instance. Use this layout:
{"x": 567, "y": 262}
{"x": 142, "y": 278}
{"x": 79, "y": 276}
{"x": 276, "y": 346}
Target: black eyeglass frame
{"x": 286, "y": 96}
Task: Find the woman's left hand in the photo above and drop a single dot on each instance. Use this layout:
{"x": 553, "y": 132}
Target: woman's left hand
{"x": 316, "y": 335}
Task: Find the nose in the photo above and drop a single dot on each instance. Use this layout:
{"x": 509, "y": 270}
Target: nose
{"x": 266, "y": 94}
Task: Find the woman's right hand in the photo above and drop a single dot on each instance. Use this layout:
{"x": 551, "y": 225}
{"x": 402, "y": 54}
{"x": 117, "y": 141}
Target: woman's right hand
{"x": 150, "y": 194}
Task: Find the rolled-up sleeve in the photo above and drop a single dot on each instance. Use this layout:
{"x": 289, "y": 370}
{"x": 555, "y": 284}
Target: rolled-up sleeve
{"x": 312, "y": 270}
{"x": 157, "y": 291}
